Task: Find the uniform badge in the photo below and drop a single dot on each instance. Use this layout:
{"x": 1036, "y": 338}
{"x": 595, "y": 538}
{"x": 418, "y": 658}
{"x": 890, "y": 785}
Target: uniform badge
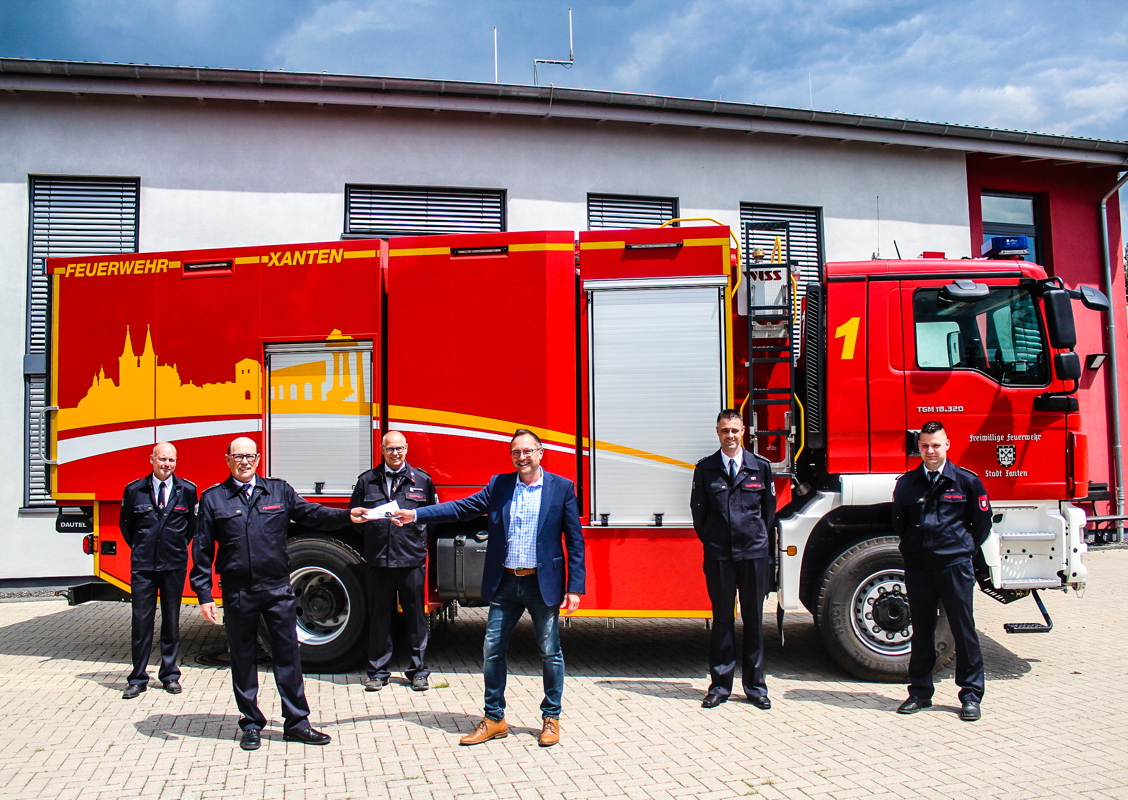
{"x": 984, "y": 503}
{"x": 1007, "y": 454}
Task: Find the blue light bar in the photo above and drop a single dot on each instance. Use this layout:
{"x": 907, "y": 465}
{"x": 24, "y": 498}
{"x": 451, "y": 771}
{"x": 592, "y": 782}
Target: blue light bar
{"x": 1003, "y": 246}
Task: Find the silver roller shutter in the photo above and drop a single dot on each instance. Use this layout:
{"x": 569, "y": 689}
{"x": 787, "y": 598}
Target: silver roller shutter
{"x": 657, "y": 383}
{"x": 629, "y": 211}
{"x": 411, "y": 211}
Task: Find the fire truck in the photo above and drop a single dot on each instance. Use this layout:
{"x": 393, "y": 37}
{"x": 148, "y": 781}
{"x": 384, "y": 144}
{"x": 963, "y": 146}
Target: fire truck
{"x": 618, "y": 347}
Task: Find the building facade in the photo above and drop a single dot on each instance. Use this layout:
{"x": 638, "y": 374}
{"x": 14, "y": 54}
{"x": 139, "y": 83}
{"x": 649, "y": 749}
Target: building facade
{"x": 104, "y": 158}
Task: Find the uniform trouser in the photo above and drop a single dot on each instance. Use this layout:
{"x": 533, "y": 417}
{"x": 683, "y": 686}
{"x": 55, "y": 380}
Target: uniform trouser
{"x": 242, "y": 608}
{"x": 954, "y": 586}
{"x": 144, "y": 587}
{"x": 724, "y": 579}
{"x": 384, "y": 585}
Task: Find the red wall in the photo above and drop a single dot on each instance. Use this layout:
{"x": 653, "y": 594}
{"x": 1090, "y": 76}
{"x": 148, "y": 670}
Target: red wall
{"x": 1068, "y": 195}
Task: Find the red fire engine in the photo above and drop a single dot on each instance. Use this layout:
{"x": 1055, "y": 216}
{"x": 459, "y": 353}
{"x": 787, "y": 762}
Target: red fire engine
{"x": 618, "y": 348}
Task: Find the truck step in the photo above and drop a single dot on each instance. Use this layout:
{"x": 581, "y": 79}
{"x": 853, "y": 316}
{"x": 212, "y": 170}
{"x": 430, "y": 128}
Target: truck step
{"x": 1032, "y": 583}
{"x": 1027, "y": 536}
{"x": 1032, "y": 627}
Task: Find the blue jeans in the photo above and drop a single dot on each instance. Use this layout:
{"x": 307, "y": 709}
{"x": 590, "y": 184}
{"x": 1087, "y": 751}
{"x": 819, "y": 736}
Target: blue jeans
{"x": 513, "y": 597}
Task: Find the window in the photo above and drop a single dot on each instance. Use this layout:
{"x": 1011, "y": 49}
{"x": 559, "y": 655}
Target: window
{"x": 804, "y": 235}
{"x": 69, "y": 217}
{"x": 629, "y": 211}
{"x": 419, "y": 211}
{"x": 1012, "y": 215}
{"x": 999, "y": 336}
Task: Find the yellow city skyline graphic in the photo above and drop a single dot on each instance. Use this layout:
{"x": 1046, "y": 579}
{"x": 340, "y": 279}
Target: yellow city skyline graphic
{"x": 147, "y": 390}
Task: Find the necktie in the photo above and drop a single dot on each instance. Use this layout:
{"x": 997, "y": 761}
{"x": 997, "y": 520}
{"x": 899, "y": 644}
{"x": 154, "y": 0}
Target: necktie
{"x": 932, "y": 476}
{"x": 247, "y": 490}
{"x": 393, "y": 482}
{"x": 732, "y": 470}
{"x": 161, "y": 496}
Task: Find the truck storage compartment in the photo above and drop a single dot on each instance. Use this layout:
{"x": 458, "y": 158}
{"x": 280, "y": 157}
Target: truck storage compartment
{"x": 459, "y": 563}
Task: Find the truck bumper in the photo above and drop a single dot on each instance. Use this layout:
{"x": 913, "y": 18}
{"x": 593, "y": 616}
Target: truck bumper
{"x": 95, "y": 590}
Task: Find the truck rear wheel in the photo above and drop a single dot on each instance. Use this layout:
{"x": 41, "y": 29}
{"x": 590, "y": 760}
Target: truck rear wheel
{"x": 327, "y": 576}
{"x": 863, "y": 613}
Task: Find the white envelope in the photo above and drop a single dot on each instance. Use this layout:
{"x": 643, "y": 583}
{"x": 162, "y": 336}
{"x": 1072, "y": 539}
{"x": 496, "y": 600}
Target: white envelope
{"x": 382, "y": 512}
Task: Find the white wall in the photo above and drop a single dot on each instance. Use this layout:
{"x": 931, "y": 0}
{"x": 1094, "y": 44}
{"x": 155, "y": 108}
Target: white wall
{"x": 218, "y": 174}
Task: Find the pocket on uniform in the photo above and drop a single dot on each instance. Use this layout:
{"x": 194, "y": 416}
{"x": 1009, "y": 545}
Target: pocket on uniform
{"x": 143, "y": 508}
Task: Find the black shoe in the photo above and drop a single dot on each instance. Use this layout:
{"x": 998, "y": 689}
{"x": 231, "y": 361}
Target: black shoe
{"x": 375, "y": 684}
{"x": 307, "y": 736}
{"x": 712, "y": 700}
{"x": 251, "y": 739}
{"x": 132, "y": 690}
{"x": 970, "y": 711}
{"x": 420, "y": 683}
{"x": 761, "y": 702}
{"x": 913, "y": 705}
{"x": 173, "y": 687}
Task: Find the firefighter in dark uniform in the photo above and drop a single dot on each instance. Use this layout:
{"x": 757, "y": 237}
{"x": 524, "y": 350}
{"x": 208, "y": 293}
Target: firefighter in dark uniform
{"x": 943, "y": 516}
{"x": 733, "y": 504}
{"x": 396, "y": 557}
{"x": 158, "y": 520}
{"x": 249, "y": 517}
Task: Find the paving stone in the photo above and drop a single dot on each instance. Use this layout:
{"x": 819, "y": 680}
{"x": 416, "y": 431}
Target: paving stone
{"x": 1055, "y": 717}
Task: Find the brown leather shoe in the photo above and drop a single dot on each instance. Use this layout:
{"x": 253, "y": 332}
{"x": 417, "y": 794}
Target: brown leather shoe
{"x": 550, "y": 733}
{"x": 487, "y": 729}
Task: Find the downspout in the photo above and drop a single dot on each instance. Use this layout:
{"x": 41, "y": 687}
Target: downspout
{"x": 1114, "y": 363}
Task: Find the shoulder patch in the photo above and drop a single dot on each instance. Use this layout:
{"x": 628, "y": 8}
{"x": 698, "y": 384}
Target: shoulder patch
{"x": 968, "y": 471}
{"x": 422, "y": 472}
{"x": 187, "y": 483}
{"x": 213, "y": 486}
{"x": 702, "y": 459}
{"x": 762, "y": 459}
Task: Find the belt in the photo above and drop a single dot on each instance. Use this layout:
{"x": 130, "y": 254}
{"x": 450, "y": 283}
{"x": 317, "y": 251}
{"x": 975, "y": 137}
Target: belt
{"x": 520, "y": 573}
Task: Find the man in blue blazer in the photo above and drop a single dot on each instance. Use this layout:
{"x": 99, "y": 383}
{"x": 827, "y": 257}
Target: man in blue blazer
{"x": 533, "y": 515}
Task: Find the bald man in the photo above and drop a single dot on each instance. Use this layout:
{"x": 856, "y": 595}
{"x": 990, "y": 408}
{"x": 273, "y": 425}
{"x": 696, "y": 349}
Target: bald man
{"x": 248, "y": 517}
{"x": 158, "y": 520}
{"x": 396, "y": 557}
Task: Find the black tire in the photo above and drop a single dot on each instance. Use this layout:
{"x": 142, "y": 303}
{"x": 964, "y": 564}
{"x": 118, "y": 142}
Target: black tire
{"x": 327, "y": 576}
{"x": 869, "y": 576}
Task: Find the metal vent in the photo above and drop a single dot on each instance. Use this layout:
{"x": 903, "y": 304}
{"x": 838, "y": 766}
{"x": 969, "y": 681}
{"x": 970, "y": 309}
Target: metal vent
{"x": 400, "y": 211}
{"x": 69, "y": 217}
{"x": 804, "y": 227}
{"x": 629, "y": 211}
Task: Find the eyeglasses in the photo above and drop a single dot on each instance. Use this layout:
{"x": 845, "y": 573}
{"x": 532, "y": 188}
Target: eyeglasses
{"x": 243, "y": 456}
{"x": 396, "y": 450}
{"x": 524, "y": 453}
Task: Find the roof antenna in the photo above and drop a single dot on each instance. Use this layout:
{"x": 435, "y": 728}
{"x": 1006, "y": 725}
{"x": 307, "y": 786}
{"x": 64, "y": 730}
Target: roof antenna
{"x": 898, "y": 249}
{"x": 877, "y": 254}
{"x": 566, "y": 64}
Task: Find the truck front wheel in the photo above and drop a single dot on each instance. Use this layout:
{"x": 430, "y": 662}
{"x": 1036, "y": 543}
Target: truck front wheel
{"x": 327, "y": 576}
{"x": 863, "y": 613}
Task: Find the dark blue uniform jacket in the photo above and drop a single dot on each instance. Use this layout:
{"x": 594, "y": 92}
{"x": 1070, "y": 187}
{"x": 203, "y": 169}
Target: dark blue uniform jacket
{"x": 944, "y": 524}
{"x": 385, "y": 544}
{"x": 158, "y": 538}
{"x": 733, "y": 520}
{"x": 252, "y": 535}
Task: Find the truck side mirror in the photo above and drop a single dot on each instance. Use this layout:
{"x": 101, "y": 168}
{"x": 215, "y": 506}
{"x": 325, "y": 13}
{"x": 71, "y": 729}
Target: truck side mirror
{"x": 1067, "y": 366}
{"x": 1094, "y": 299}
{"x": 1059, "y": 318}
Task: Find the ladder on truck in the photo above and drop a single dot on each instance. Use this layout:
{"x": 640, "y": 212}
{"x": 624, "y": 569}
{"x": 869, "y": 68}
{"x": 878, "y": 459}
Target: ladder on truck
{"x": 772, "y": 342}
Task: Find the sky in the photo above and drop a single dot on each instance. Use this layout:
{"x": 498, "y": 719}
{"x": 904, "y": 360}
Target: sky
{"x": 1049, "y": 66}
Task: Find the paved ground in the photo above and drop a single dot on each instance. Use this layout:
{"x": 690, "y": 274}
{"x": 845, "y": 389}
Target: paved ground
{"x": 1055, "y": 717}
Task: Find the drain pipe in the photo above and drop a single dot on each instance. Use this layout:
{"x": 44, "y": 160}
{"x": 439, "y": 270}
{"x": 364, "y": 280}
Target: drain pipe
{"x": 1113, "y": 363}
